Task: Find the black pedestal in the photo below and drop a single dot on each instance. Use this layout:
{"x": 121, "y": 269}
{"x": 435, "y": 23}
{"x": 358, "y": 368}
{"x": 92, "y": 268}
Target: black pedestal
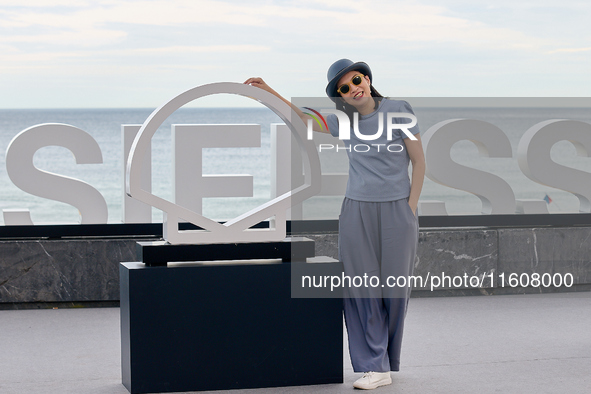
{"x": 209, "y": 327}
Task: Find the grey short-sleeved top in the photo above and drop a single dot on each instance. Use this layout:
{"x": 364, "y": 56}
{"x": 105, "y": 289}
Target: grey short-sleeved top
{"x": 378, "y": 169}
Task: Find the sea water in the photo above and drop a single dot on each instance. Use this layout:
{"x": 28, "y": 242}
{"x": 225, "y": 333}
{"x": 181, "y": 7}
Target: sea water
{"x": 104, "y": 125}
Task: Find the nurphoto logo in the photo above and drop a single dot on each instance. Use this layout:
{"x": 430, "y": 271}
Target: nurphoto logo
{"x": 345, "y": 129}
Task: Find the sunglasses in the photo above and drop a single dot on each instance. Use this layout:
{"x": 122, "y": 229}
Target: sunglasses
{"x": 356, "y": 80}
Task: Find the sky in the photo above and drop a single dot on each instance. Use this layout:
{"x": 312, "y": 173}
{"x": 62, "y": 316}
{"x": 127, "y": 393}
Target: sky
{"x": 139, "y": 54}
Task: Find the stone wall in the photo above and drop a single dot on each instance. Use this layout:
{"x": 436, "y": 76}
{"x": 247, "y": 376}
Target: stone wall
{"x": 485, "y": 256}
{"x": 72, "y": 270}
{"x": 86, "y": 270}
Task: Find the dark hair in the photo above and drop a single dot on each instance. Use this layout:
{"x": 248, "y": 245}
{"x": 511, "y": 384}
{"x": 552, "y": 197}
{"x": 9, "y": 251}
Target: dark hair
{"x": 349, "y": 109}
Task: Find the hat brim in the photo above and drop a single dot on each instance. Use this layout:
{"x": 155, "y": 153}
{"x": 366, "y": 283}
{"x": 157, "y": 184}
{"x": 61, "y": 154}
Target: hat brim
{"x": 331, "y": 88}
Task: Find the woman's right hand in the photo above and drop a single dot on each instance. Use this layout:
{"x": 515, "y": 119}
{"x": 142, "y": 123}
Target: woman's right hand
{"x": 259, "y": 83}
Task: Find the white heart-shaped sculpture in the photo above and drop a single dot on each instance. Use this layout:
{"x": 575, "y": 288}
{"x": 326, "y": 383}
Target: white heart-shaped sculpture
{"x": 239, "y": 228}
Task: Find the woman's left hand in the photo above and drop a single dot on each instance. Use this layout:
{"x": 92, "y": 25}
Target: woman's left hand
{"x": 417, "y": 158}
{"x": 413, "y": 208}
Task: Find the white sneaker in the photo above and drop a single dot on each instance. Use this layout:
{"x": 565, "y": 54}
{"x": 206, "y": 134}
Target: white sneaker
{"x": 372, "y": 380}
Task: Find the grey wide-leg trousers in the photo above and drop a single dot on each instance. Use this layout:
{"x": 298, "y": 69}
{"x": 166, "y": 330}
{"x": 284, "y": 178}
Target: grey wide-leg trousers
{"x": 377, "y": 240}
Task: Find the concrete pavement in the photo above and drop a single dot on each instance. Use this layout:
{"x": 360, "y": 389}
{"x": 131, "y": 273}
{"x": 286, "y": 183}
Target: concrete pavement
{"x": 486, "y": 344}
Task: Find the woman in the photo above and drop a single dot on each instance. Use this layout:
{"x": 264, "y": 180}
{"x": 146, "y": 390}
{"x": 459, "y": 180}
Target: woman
{"x": 378, "y": 225}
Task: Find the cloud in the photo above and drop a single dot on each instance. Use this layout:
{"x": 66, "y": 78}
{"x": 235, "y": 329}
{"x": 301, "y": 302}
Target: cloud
{"x": 201, "y": 49}
{"x": 45, "y": 59}
{"x": 69, "y": 38}
{"x": 145, "y": 12}
{"x": 570, "y": 50}
{"x": 412, "y": 22}
{"x": 41, "y": 3}
{"x": 134, "y": 40}
{"x": 355, "y": 20}
{"x": 108, "y": 23}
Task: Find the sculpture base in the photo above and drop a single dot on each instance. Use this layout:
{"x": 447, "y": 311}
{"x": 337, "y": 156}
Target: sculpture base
{"x": 197, "y": 327}
{"x": 159, "y": 253}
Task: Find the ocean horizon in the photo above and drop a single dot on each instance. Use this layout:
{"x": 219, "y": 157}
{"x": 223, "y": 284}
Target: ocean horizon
{"x": 104, "y": 125}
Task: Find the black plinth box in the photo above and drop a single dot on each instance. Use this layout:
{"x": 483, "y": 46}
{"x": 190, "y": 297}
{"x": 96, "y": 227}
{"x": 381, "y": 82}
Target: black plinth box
{"x": 201, "y": 326}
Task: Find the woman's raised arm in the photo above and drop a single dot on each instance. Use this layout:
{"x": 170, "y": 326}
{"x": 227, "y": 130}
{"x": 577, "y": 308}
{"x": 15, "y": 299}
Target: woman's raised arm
{"x": 259, "y": 83}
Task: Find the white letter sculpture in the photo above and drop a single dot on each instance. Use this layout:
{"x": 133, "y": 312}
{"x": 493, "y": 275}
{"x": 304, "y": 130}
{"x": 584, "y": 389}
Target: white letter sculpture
{"x": 239, "y": 228}
{"x": 533, "y": 156}
{"x": 495, "y": 194}
{"x": 23, "y": 173}
{"x": 189, "y": 184}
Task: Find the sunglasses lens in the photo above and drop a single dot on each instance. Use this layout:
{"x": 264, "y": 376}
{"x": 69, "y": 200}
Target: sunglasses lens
{"x": 344, "y": 89}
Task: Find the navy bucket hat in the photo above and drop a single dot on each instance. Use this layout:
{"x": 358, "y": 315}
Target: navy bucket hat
{"x": 340, "y": 68}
